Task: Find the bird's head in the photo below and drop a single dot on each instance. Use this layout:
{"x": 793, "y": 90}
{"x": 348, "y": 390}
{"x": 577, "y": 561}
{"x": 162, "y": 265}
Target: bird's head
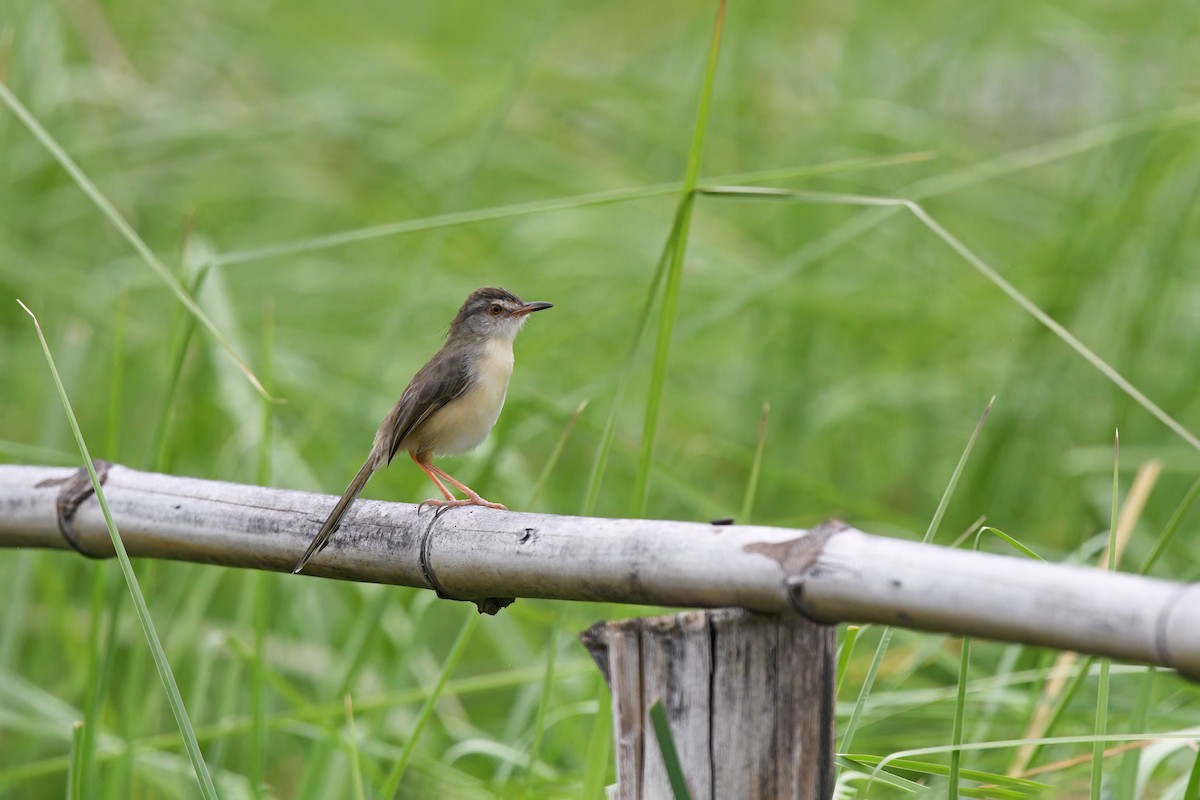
{"x": 492, "y": 312}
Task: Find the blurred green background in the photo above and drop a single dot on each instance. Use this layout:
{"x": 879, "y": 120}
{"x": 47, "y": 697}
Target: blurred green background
{"x": 1059, "y": 142}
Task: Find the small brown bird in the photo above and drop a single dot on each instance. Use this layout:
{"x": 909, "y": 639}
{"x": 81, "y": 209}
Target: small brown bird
{"x": 450, "y": 405}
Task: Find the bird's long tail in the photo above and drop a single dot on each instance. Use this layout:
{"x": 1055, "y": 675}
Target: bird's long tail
{"x": 335, "y": 516}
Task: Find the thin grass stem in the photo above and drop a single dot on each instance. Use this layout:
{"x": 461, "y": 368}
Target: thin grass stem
{"x": 355, "y": 758}
{"x": 600, "y": 460}
{"x": 674, "y": 276}
{"x": 122, "y": 225}
{"x": 670, "y": 753}
{"x": 536, "y": 492}
{"x": 844, "y": 654}
{"x": 545, "y": 698}
{"x": 203, "y": 778}
{"x": 755, "y": 467}
{"x": 75, "y": 775}
{"x": 886, "y": 638}
{"x": 599, "y": 746}
{"x": 606, "y": 197}
{"x": 1101, "y": 726}
{"x": 392, "y": 783}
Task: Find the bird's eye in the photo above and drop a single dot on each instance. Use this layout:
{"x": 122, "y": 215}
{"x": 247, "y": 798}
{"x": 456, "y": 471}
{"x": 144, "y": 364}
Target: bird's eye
{"x": 495, "y": 309}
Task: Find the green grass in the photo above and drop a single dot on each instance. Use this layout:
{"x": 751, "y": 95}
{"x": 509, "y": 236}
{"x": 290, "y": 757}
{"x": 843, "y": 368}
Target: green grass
{"x": 166, "y": 675}
{"x": 670, "y": 754}
{"x": 323, "y": 185}
{"x": 677, "y": 251}
{"x": 1102, "y": 686}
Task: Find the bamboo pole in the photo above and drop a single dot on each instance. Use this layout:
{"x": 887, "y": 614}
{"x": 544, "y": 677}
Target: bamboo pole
{"x": 830, "y": 574}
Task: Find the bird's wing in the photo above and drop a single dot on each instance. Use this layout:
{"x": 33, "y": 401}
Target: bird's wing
{"x": 444, "y": 378}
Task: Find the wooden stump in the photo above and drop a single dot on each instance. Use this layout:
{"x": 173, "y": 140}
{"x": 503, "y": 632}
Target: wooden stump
{"x": 749, "y": 698}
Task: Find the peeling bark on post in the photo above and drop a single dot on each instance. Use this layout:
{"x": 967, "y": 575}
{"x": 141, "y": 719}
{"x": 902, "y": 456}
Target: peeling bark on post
{"x": 749, "y": 698}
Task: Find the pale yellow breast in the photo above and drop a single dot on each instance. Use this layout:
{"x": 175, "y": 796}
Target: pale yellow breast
{"x": 462, "y": 424}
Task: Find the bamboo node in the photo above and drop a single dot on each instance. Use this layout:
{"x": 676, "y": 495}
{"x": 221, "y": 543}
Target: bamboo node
{"x": 486, "y": 605}
{"x": 76, "y": 489}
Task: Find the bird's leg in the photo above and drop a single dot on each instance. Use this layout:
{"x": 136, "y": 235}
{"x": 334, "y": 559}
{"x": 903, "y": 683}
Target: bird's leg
{"x": 428, "y": 468}
{"x": 472, "y": 497}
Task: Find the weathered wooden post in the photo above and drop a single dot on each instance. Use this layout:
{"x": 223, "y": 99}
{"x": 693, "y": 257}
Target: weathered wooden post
{"x": 749, "y": 698}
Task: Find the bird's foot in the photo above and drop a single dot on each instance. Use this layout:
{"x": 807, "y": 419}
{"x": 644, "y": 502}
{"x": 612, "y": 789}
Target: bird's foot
{"x": 471, "y": 500}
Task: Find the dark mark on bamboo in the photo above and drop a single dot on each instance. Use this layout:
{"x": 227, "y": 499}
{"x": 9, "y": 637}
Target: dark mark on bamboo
{"x": 798, "y": 557}
{"x": 76, "y": 489}
{"x": 485, "y": 605}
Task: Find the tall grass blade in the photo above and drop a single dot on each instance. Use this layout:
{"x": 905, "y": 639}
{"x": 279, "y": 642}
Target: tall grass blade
{"x": 864, "y": 692}
{"x": 112, "y": 429}
{"x": 1001, "y": 786}
{"x": 1005, "y": 744}
{"x": 114, "y": 603}
{"x": 960, "y": 701}
{"x": 474, "y": 216}
{"x": 555, "y": 455}
{"x": 1027, "y": 755}
{"x": 1010, "y": 541}
{"x": 980, "y": 266}
{"x": 674, "y": 277}
{"x": 755, "y": 467}
{"x": 944, "y": 503}
{"x": 100, "y": 650}
{"x": 960, "y": 704}
{"x": 257, "y": 755}
{"x": 355, "y": 759}
{"x": 1003, "y": 165}
{"x": 1125, "y": 782}
{"x": 1172, "y": 527}
{"x": 122, "y": 225}
{"x": 845, "y": 653}
{"x": 1193, "y": 784}
{"x": 391, "y": 783}
{"x": 203, "y": 778}
{"x": 539, "y": 721}
{"x": 263, "y": 459}
{"x": 600, "y": 461}
{"x": 181, "y": 338}
{"x": 930, "y": 532}
{"x": 1102, "y": 690}
{"x": 1044, "y": 722}
{"x": 355, "y": 649}
{"x": 285, "y": 721}
{"x": 97, "y": 680}
{"x": 1055, "y": 327}
{"x": 599, "y": 746}
{"x": 670, "y": 754}
{"x": 76, "y": 780}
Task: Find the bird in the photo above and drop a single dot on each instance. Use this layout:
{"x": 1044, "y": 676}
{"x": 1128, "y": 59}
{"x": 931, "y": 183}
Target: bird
{"x": 449, "y": 406}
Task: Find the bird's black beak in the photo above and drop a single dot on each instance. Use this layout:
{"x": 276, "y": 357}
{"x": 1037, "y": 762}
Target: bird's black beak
{"x": 529, "y": 308}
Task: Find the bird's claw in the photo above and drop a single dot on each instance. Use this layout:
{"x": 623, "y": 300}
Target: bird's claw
{"x": 442, "y": 505}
